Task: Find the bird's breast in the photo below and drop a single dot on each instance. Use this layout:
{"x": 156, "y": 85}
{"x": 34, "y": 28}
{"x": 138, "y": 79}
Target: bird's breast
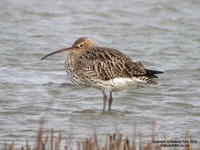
{"x": 70, "y": 67}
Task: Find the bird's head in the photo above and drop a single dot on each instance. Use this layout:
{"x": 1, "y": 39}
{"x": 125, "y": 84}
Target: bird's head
{"x": 80, "y": 45}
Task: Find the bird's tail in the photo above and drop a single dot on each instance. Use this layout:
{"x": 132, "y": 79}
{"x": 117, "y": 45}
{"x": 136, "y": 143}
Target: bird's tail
{"x": 141, "y": 80}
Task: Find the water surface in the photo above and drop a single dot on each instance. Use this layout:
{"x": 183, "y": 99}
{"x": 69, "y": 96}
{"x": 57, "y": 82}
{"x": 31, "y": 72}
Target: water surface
{"x": 163, "y": 35}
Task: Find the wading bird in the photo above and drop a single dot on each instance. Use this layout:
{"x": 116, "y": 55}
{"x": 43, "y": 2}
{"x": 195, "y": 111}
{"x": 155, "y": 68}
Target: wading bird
{"x": 104, "y": 68}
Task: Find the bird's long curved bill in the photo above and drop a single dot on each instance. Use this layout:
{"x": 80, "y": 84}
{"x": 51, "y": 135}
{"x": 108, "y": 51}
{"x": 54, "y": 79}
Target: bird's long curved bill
{"x": 59, "y": 51}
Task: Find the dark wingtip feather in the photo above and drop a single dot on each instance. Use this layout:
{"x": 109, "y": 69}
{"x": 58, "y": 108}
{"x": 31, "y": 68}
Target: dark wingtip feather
{"x": 151, "y": 73}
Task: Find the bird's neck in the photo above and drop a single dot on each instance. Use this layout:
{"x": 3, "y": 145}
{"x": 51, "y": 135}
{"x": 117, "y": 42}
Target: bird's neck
{"x": 71, "y": 57}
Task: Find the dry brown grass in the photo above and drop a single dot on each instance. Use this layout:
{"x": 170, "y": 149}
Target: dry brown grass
{"x": 115, "y": 141}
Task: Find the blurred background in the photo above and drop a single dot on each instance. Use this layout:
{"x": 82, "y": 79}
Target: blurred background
{"x": 163, "y": 35}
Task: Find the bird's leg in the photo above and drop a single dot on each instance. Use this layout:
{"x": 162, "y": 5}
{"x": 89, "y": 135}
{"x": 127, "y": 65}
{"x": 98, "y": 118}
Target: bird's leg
{"x": 110, "y": 102}
{"x": 104, "y": 100}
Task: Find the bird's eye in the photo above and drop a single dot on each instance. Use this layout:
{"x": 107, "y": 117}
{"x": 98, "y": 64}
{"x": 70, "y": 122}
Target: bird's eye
{"x": 81, "y": 45}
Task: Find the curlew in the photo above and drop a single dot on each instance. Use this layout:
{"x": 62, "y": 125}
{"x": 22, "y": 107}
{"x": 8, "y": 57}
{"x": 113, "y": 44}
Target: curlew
{"x": 104, "y": 68}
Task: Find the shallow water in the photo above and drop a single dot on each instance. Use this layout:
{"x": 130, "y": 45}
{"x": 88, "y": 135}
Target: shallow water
{"x": 163, "y": 35}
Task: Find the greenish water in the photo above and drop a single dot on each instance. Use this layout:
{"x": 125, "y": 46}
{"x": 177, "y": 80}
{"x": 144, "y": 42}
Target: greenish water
{"x": 163, "y": 35}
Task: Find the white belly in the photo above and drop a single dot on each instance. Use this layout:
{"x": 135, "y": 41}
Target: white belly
{"x": 122, "y": 83}
{"x": 118, "y": 84}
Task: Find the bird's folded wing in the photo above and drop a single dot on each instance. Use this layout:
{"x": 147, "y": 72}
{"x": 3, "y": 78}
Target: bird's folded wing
{"x": 106, "y": 64}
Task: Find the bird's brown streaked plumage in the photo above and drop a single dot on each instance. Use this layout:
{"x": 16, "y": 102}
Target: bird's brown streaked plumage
{"x": 104, "y": 68}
